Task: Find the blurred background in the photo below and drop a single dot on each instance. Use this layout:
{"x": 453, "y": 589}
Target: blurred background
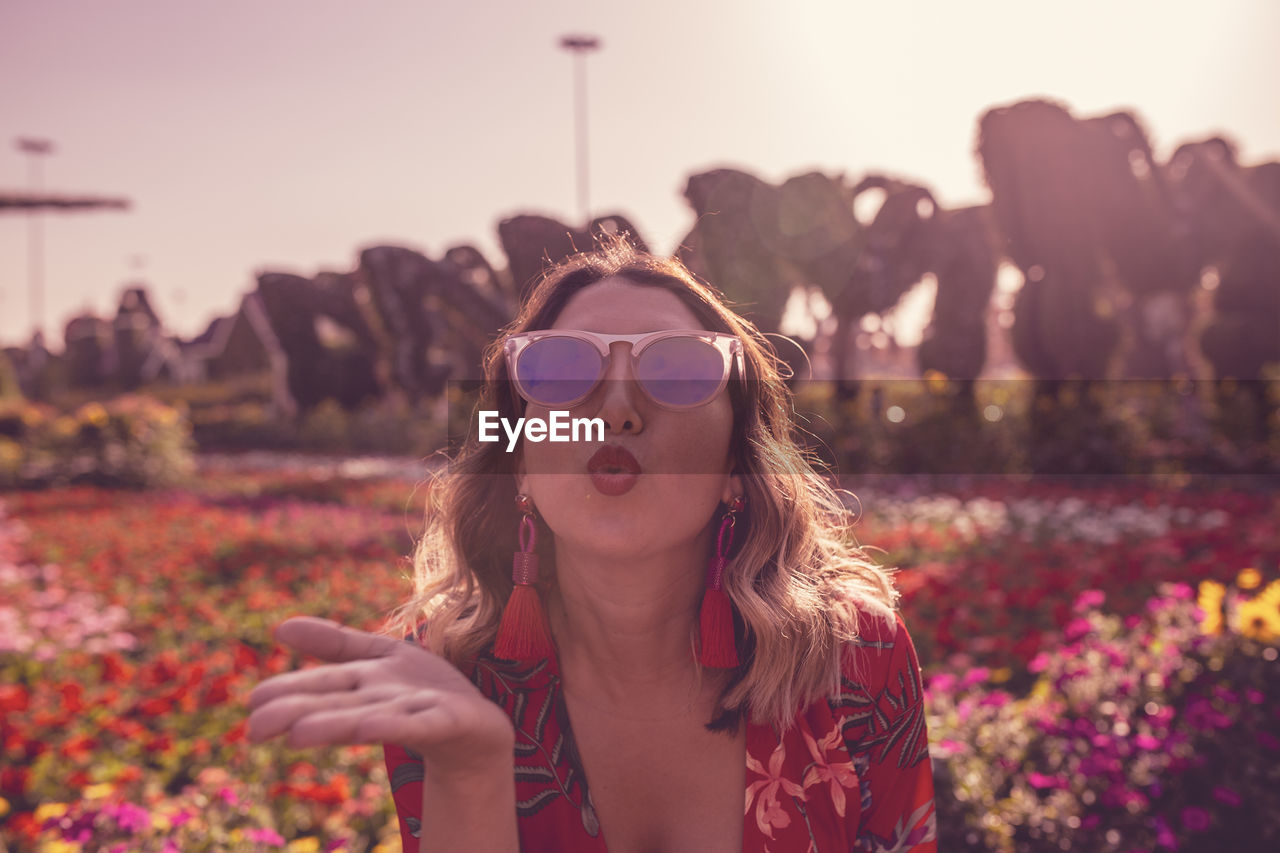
{"x": 317, "y": 207}
{"x": 1024, "y": 259}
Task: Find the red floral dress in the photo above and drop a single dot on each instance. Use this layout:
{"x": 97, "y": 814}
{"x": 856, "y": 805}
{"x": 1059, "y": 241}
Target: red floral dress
{"x": 852, "y": 774}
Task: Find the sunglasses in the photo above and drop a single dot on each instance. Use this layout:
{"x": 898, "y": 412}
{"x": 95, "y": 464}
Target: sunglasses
{"x": 676, "y": 368}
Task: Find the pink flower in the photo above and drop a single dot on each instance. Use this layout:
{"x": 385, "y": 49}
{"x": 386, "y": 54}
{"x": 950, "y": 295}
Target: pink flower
{"x": 769, "y": 812}
{"x": 1195, "y": 819}
{"x": 1088, "y": 599}
{"x": 1076, "y": 629}
{"x": 1041, "y": 780}
{"x": 952, "y": 747}
{"x": 265, "y": 836}
{"x": 1227, "y": 796}
{"x": 840, "y": 774}
{"x": 943, "y": 681}
{"x": 1146, "y": 742}
{"x": 995, "y": 699}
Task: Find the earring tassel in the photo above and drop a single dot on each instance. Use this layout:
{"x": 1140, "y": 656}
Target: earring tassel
{"x": 715, "y": 622}
{"x": 523, "y": 632}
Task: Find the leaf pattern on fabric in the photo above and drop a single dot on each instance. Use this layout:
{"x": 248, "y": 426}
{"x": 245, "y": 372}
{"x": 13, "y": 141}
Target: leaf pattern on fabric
{"x": 885, "y": 722}
{"x": 919, "y": 827}
{"x": 547, "y": 763}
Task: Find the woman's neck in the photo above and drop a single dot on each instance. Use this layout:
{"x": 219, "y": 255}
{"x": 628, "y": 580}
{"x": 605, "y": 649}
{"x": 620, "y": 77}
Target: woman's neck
{"x": 624, "y": 628}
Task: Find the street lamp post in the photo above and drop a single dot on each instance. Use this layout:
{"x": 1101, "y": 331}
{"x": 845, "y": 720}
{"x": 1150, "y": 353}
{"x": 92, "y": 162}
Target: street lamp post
{"x": 580, "y": 46}
{"x": 35, "y": 149}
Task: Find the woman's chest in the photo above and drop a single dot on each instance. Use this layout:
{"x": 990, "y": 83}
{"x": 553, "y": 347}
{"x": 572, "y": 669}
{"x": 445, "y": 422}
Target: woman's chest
{"x": 670, "y": 786}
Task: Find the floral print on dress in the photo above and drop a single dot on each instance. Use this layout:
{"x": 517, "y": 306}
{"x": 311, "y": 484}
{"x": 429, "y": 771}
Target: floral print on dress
{"x": 852, "y": 773}
{"x": 828, "y": 767}
{"x": 769, "y": 811}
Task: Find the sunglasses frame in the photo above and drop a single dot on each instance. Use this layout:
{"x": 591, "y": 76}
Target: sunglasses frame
{"x": 729, "y": 346}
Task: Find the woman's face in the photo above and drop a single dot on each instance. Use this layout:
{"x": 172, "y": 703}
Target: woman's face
{"x": 684, "y": 456}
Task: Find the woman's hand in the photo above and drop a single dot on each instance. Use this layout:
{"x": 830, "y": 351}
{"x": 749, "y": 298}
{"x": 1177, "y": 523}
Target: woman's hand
{"x": 377, "y": 689}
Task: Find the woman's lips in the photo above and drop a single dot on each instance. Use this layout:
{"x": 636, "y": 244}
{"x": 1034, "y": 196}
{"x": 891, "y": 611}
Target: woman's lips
{"x": 613, "y": 470}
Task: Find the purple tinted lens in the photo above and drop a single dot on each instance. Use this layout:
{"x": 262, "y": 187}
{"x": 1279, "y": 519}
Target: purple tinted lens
{"x": 680, "y": 371}
{"x": 555, "y": 371}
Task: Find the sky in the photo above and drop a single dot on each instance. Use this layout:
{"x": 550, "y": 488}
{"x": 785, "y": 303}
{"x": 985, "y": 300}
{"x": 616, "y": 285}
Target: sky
{"x": 290, "y": 134}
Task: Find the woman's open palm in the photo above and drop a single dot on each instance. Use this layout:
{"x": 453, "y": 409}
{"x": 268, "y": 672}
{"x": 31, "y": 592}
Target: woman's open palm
{"x": 376, "y": 689}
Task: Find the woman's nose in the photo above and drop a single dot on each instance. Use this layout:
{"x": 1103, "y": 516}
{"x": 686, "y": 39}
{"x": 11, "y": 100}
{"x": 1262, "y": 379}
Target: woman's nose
{"x": 620, "y": 394}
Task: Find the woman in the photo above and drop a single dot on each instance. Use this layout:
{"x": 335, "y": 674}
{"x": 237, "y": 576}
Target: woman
{"x": 701, "y": 625}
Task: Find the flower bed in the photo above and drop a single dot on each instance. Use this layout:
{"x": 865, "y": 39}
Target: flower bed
{"x": 131, "y": 441}
{"x": 1101, "y": 672}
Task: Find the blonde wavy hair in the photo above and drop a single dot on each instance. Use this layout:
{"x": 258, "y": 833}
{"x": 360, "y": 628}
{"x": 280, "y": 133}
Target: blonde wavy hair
{"x": 800, "y": 585}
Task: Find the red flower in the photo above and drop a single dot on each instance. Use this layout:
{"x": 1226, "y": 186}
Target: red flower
{"x": 160, "y": 743}
{"x": 116, "y": 670}
{"x": 246, "y": 658}
{"x": 79, "y": 747}
{"x": 14, "y": 697}
{"x": 72, "y": 697}
{"x": 237, "y": 733}
{"x": 13, "y": 781}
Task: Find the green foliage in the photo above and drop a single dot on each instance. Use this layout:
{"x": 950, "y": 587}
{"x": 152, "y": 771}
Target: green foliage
{"x": 132, "y": 442}
{"x": 9, "y": 390}
{"x": 1100, "y": 429}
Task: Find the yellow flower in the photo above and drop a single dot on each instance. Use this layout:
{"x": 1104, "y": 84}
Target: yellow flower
{"x": 1248, "y": 578}
{"x": 1001, "y": 675}
{"x": 1210, "y": 604}
{"x": 1258, "y": 620}
{"x": 94, "y": 413}
{"x": 310, "y": 844}
{"x": 60, "y": 846}
{"x": 4, "y": 807}
{"x": 97, "y": 792}
{"x": 1270, "y": 594}
{"x": 48, "y": 811}
{"x": 10, "y": 453}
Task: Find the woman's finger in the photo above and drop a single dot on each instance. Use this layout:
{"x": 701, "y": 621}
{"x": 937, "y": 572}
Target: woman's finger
{"x": 407, "y": 718}
{"x": 330, "y": 679}
{"x": 277, "y": 716}
{"x": 332, "y": 642}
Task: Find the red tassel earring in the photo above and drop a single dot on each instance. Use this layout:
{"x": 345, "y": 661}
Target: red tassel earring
{"x": 523, "y": 634}
{"x": 715, "y": 621}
